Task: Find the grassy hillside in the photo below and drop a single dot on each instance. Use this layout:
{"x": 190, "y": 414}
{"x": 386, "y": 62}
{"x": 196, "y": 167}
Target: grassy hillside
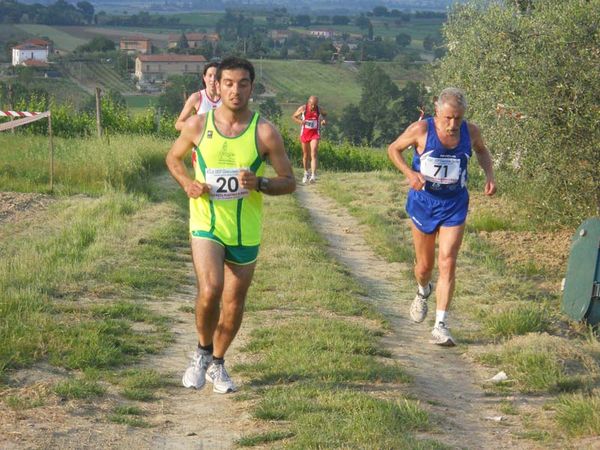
{"x": 90, "y": 74}
{"x": 62, "y": 41}
{"x": 293, "y": 81}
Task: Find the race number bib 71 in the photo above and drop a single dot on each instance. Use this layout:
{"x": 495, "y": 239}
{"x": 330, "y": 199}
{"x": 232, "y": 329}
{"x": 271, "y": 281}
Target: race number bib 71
{"x": 224, "y": 184}
{"x": 311, "y": 124}
{"x": 441, "y": 170}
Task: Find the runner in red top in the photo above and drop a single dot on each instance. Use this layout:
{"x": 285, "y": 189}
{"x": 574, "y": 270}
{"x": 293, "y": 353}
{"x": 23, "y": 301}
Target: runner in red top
{"x": 311, "y": 118}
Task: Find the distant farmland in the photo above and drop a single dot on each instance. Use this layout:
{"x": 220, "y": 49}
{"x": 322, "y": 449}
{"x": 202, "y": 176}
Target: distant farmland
{"x": 62, "y": 40}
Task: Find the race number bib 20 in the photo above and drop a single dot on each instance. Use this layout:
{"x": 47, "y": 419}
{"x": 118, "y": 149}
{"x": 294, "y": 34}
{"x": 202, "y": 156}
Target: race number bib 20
{"x": 441, "y": 170}
{"x": 311, "y": 124}
{"x": 224, "y": 184}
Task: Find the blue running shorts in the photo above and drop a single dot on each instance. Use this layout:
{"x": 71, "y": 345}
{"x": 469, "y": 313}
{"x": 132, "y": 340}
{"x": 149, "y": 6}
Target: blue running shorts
{"x": 429, "y": 212}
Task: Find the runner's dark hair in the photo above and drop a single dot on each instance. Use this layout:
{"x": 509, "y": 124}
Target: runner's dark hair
{"x": 232, "y": 63}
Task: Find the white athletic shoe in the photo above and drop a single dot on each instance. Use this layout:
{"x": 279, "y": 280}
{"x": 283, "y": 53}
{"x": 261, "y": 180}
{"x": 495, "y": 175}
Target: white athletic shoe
{"x": 306, "y": 177}
{"x": 313, "y": 178}
{"x": 441, "y": 336}
{"x": 219, "y": 377}
{"x": 195, "y": 375}
{"x": 418, "y": 308}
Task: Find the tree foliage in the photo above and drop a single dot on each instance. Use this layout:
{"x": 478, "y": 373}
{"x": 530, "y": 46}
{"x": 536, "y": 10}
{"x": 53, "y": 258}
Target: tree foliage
{"x": 178, "y": 89}
{"x": 531, "y": 75}
{"x": 97, "y": 44}
{"x": 384, "y": 110}
{"x": 271, "y": 110}
{"x": 58, "y": 13}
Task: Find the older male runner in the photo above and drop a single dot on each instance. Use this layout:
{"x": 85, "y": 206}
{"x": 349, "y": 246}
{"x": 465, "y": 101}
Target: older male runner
{"x": 229, "y": 145}
{"x": 311, "y": 118}
{"x": 438, "y": 200}
{"x": 204, "y": 100}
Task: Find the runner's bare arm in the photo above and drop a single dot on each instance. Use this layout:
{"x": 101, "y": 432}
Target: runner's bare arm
{"x": 324, "y": 116}
{"x": 411, "y": 137}
{"x": 270, "y": 144}
{"x": 484, "y": 158}
{"x": 188, "y": 109}
{"x": 188, "y": 139}
{"x": 297, "y": 116}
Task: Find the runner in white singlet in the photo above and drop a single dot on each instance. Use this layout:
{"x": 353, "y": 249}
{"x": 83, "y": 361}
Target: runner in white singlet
{"x": 202, "y": 101}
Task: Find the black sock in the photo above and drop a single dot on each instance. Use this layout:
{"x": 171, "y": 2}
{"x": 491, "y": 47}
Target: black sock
{"x": 218, "y": 360}
{"x": 206, "y": 349}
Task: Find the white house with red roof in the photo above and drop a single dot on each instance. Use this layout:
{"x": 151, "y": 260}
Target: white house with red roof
{"x": 31, "y": 50}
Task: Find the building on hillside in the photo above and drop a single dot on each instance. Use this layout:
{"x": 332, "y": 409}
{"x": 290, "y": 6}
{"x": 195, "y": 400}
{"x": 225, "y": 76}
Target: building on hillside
{"x": 135, "y": 44}
{"x": 33, "y": 49}
{"x": 280, "y": 36}
{"x": 326, "y": 34}
{"x": 42, "y": 43}
{"x": 150, "y": 69}
{"x": 194, "y": 40}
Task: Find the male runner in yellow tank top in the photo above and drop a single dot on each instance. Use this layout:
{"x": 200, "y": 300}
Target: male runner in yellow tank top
{"x": 229, "y": 145}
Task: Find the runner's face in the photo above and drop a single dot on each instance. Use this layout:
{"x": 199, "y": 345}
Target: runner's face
{"x": 449, "y": 118}
{"x": 235, "y": 88}
{"x": 312, "y": 104}
{"x": 209, "y": 79}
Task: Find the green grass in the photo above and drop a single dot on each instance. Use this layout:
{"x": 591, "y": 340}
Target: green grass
{"x": 516, "y": 320}
{"x": 294, "y": 81}
{"x": 18, "y": 403}
{"x": 62, "y": 40}
{"x": 205, "y": 20}
{"x": 79, "y": 389}
{"x": 80, "y": 244}
{"x": 140, "y": 384}
{"x": 88, "y": 166}
{"x": 578, "y": 414}
{"x": 128, "y": 415}
{"x": 543, "y": 363}
{"x": 326, "y": 417}
{"x": 264, "y": 438}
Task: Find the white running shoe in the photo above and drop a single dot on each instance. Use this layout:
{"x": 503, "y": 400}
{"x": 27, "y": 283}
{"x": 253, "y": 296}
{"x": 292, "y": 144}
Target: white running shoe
{"x": 306, "y": 177}
{"x": 418, "y": 308}
{"x": 219, "y": 377}
{"x": 313, "y": 178}
{"x": 441, "y": 336}
{"x": 195, "y": 375}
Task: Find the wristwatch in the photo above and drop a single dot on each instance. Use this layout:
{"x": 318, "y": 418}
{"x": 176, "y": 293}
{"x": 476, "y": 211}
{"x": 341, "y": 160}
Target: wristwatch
{"x": 263, "y": 184}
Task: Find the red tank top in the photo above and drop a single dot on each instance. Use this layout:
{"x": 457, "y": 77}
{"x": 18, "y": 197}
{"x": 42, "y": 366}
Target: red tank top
{"x": 311, "y": 119}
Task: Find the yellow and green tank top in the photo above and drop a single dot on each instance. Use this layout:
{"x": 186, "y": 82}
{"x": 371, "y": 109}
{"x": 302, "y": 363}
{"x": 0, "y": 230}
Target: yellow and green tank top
{"x": 231, "y": 214}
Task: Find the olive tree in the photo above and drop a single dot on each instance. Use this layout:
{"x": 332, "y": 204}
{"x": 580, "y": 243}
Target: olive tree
{"x": 531, "y": 75}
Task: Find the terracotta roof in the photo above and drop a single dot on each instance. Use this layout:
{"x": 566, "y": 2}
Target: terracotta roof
{"x": 37, "y": 41}
{"x": 34, "y": 63}
{"x": 30, "y": 47}
{"x": 171, "y": 58}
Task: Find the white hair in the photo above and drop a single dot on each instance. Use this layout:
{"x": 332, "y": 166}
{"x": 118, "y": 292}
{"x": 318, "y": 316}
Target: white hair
{"x": 453, "y": 96}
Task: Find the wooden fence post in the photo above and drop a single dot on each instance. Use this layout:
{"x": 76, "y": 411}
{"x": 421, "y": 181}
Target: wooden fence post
{"x": 98, "y": 113}
{"x": 51, "y": 149}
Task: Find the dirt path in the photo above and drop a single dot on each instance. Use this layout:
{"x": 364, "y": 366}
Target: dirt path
{"x": 444, "y": 380}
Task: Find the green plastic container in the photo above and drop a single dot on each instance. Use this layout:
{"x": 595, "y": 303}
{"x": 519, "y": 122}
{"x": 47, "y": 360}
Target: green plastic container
{"x": 581, "y": 296}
